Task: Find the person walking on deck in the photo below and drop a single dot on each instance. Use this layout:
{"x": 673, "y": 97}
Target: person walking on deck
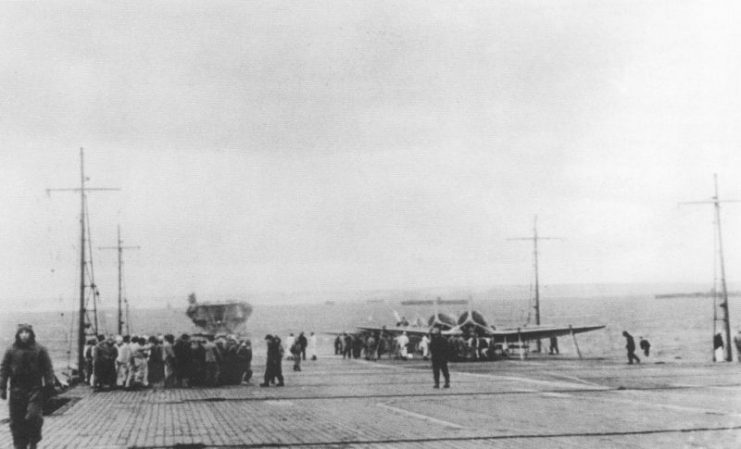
{"x": 737, "y": 342}
{"x": 27, "y": 366}
{"x": 273, "y": 368}
{"x": 630, "y": 346}
{"x": 440, "y": 353}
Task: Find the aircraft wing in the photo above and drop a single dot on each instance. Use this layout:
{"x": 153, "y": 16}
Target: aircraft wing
{"x": 538, "y": 332}
{"x": 396, "y": 330}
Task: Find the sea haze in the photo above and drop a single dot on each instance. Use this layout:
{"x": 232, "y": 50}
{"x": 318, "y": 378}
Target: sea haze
{"x": 680, "y": 330}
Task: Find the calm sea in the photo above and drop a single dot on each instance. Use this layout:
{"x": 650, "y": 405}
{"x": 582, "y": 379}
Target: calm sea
{"x": 680, "y": 330}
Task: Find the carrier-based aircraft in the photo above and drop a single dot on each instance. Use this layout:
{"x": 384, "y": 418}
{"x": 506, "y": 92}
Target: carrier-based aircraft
{"x": 472, "y": 323}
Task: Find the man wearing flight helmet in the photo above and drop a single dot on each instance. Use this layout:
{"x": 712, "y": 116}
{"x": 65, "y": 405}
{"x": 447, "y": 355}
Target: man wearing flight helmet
{"x": 27, "y": 366}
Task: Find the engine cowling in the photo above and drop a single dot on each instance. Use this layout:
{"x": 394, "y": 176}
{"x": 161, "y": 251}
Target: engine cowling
{"x": 441, "y": 320}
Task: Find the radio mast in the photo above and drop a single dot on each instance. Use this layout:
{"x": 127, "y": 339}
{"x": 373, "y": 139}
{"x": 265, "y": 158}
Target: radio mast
{"x": 120, "y": 249}
{"x": 84, "y": 228}
{"x": 535, "y": 238}
{"x": 726, "y": 320}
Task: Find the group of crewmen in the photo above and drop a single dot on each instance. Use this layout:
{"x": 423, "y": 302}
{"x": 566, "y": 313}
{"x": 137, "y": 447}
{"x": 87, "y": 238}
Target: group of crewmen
{"x": 132, "y": 362}
{"x": 374, "y": 345}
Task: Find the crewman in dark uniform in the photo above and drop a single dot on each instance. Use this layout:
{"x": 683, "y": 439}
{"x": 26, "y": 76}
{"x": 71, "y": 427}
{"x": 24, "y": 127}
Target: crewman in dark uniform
{"x": 303, "y": 342}
{"x": 439, "y": 353}
{"x": 630, "y": 346}
{"x": 28, "y": 367}
{"x": 273, "y": 367}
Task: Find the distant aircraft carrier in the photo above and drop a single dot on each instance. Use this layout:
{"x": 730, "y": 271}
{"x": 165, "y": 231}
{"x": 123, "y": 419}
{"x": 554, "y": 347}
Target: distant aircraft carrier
{"x": 228, "y": 317}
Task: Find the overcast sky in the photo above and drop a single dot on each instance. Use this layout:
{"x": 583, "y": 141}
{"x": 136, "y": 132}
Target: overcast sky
{"x": 344, "y": 145}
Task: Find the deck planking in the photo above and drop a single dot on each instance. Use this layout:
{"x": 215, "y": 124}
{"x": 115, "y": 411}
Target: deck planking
{"x": 536, "y": 403}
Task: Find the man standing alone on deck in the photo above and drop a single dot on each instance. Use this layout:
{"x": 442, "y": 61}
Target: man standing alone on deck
{"x": 439, "y": 353}
{"x": 28, "y": 367}
{"x": 631, "y": 347}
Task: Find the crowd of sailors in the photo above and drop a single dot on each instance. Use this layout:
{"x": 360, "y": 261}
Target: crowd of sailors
{"x": 133, "y": 362}
{"x": 378, "y": 345}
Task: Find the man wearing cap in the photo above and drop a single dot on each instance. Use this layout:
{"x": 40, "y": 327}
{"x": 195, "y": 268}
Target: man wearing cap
{"x": 27, "y": 366}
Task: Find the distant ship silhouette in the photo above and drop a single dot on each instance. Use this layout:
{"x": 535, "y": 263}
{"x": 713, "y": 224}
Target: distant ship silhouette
{"x": 228, "y": 317}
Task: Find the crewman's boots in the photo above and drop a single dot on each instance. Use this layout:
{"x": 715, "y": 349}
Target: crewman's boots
{"x": 447, "y": 385}
{"x": 264, "y": 385}
{"x": 436, "y": 386}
